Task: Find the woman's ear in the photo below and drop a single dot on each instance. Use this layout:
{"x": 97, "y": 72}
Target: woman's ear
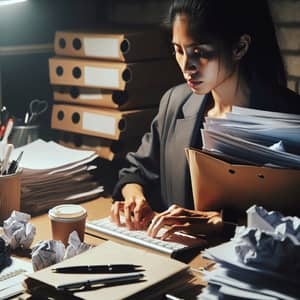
{"x": 241, "y": 47}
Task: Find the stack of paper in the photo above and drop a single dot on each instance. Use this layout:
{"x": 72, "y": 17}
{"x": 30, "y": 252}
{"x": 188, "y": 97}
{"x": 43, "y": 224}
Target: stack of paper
{"x": 53, "y": 174}
{"x": 261, "y": 262}
{"x": 255, "y": 137}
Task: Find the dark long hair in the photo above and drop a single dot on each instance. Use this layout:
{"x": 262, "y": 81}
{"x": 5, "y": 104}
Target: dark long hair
{"x": 223, "y": 22}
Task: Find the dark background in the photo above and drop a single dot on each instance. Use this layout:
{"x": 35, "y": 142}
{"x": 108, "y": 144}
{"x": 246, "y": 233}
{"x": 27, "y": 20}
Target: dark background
{"x": 33, "y": 24}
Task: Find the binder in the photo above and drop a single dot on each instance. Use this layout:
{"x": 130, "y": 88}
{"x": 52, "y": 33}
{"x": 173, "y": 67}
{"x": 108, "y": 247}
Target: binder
{"x": 217, "y": 183}
{"x": 113, "y": 75}
{"x": 118, "y": 45}
{"x": 105, "y": 148}
{"x": 122, "y": 100}
{"x": 156, "y": 282}
{"x": 106, "y": 123}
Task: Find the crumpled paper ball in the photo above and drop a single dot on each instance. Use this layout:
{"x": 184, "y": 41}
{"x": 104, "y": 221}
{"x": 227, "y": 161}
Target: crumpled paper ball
{"x": 47, "y": 253}
{"x": 50, "y": 252}
{"x": 75, "y": 246}
{"x": 267, "y": 250}
{"x": 17, "y": 231}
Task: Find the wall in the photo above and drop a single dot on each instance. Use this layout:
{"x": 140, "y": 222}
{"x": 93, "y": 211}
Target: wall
{"x": 286, "y": 15}
{"x": 25, "y": 75}
{"x": 287, "y": 18}
{"x": 26, "y": 42}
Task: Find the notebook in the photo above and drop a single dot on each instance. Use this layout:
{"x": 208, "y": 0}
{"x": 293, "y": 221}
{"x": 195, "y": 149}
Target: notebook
{"x": 11, "y": 278}
{"x": 161, "y": 274}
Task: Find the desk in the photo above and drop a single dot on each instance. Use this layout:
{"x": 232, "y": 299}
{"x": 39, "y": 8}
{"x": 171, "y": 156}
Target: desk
{"x": 96, "y": 209}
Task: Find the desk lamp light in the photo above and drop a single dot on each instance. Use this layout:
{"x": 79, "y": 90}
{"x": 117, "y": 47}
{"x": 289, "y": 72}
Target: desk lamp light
{"x": 8, "y": 2}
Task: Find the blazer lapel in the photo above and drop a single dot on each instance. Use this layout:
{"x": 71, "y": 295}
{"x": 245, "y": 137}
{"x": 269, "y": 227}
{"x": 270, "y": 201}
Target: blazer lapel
{"x": 185, "y": 132}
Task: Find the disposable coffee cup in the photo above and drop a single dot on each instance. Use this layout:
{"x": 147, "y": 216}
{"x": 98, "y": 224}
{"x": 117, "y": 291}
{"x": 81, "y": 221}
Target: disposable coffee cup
{"x": 66, "y": 218}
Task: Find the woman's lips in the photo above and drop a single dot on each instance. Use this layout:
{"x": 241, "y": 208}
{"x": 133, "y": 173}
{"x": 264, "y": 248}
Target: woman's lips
{"x": 193, "y": 83}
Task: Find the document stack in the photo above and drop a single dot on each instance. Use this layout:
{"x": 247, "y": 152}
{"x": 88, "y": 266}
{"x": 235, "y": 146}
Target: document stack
{"x": 261, "y": 262}
{"x": 249, "y": 157}
{"x": 255, "y": 137}
{"x": 53, "y": 174}
{"x": 107, "y": 85}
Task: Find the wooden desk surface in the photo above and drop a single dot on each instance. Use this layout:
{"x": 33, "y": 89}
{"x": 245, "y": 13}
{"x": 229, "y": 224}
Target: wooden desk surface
{"x": 96, "y": 209}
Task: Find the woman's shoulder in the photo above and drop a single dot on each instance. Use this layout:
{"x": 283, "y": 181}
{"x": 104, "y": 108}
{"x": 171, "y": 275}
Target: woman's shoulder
{"x": 175, "y": 97}
{"x": 287, "y": 100}
{"x": 178, "y": 93}
{"x": 275, "y": 98}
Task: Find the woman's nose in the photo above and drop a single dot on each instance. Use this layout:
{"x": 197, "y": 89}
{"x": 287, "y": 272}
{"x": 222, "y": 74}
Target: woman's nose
{"x": 189, "y": 65}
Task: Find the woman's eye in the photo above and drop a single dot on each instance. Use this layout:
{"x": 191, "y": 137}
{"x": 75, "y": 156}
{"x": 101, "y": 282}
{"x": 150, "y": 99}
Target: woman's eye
{"x": 203, "y": 54}
{"x": 178, "y": 50}
{"x": 199, "y": 53}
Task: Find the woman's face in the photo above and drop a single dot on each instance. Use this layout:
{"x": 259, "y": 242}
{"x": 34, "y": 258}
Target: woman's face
{"x": 200, "y": 63}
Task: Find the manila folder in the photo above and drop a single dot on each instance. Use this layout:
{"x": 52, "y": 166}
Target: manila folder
{"x": 217, "y": 184}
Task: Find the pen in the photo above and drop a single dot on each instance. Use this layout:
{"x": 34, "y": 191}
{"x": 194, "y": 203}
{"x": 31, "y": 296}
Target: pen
{"x": 8, "y": 150}
{"x": 8, "y": 129}
{"x": 2, "y": 131}
{"x": 108, "y": 280}
{"x": 119, "y": 268}
{"x": 26, "y": 118}
{"x": 172, "y": 297}
{"x": 13, "y": 167}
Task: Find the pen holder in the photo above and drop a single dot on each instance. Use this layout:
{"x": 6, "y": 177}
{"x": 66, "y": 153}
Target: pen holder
{"x": 10, "y": 195}
{"x": 24, "y": 134}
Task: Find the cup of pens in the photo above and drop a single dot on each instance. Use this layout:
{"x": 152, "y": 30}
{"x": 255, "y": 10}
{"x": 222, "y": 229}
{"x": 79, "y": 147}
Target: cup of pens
{"x": 10, "y": 194}
{"x": 24, "y": 134}
{"x": 29, "y": 130}
{"x": 10, "y": 181}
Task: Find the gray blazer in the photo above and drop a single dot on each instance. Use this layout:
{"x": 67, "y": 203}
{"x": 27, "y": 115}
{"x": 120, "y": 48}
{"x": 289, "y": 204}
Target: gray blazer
{"x": 160, "y": 165}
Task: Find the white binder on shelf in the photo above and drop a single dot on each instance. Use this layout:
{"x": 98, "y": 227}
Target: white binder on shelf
{"x": 113, "y": 75}
{"x": 119, "y": 45}
{"x": 122, "y": 100}
{"x": 106, "y": 123}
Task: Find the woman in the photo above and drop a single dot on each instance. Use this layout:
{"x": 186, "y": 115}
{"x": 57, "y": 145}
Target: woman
{"x": 229, "y": 55}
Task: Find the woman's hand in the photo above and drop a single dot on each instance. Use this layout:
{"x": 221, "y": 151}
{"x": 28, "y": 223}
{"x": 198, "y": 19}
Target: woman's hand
{"x": 189, "y": 221}
{"x": 135, "y": 207}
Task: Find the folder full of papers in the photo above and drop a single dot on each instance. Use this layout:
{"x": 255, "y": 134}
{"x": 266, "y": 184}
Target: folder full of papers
{"x": 240, "y": 164}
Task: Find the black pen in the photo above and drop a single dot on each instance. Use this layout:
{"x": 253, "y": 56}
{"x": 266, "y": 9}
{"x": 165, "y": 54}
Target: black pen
{"x": 15, "y": 164}
{"x": 108, "y": 280}
{"x": 115, "y": 268}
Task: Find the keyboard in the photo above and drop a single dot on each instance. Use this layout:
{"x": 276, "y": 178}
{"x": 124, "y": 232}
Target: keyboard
{"x": 140, "y": 237}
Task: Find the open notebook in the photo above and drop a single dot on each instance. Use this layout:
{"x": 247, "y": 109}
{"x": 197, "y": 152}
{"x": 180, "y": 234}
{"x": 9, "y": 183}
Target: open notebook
{"x": 161, "y": 274}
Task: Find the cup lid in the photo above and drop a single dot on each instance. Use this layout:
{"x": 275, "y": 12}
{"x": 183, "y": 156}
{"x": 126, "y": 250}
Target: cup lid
{"x": 67, "y": 211}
